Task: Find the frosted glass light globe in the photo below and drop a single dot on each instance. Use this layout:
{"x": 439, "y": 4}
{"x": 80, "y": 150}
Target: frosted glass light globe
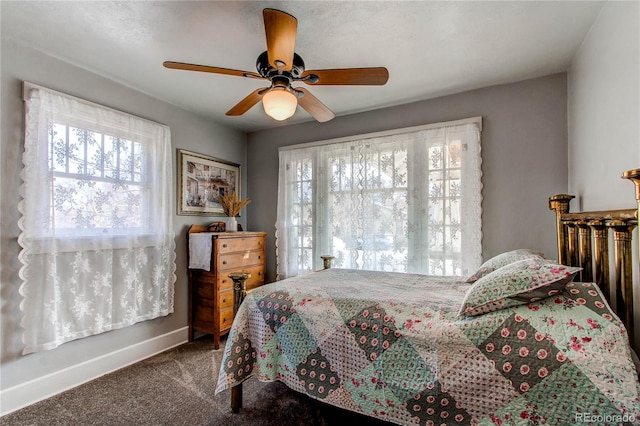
{"x": 279, "y": 104}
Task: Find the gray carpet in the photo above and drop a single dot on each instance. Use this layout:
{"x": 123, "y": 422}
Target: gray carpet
{"x": 177, "y": 388}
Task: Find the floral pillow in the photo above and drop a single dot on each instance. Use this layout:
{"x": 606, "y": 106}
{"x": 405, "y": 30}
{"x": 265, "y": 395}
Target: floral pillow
{"x": 518, "y": 283}
{"x": 501, "y": 260}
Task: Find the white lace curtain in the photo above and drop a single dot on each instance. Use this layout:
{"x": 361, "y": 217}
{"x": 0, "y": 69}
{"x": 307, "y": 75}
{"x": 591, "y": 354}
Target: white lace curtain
{"x": 408, "y": 202}
{"x": 96, "y": 228}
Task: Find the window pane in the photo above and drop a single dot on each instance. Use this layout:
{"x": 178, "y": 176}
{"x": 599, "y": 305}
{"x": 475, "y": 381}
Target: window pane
{"x": 137, "y": 167}
{"x": 126, "y": 160}
{"x": 97, "y": 181}
{"x": 455, "y": 150}
{"x": 58, "y": 150}
{"x": 78, "y": 139}
{"x": 110, "y": 159}
{"x": 436, "y": 158}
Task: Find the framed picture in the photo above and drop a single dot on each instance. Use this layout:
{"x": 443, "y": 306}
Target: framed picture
{"x": 201, "y": 180}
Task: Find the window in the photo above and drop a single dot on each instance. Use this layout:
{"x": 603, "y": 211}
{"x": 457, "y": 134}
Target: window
{"x": 99, "y": 185}
{"x": 97, "y": 233}
{"x": 403, "y": 202}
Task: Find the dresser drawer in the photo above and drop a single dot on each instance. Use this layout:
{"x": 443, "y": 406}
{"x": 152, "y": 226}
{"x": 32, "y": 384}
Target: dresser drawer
{"x": 225, "y": 299}
{"x": 226, "y": 318}
{"x": 224, "y": 282}
{"x": 257, "y": 276}
{"x": 234, "y": 261}
{"x": 231, "y": 245}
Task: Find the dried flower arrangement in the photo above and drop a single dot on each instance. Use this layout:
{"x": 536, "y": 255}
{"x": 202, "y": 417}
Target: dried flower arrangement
{"x": 231, "y": 205}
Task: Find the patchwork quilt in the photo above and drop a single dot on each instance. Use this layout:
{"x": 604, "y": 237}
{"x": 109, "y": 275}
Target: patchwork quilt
{"x": 393, "y": 346}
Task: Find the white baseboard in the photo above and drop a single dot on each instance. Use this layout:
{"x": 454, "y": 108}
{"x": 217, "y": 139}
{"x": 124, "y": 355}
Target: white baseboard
{"x": 28, "y": 393}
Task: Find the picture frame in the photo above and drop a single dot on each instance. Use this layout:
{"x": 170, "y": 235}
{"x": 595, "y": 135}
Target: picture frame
{"x": 201, "y": 179}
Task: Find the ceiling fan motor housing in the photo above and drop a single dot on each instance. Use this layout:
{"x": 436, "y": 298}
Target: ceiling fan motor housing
{"x": 266, "y": 70}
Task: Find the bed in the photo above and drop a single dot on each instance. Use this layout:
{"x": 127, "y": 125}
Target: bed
{"x": 523, "y": 340}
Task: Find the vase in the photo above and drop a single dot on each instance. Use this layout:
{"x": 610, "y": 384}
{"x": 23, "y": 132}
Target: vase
{"x": 232, "y": 225}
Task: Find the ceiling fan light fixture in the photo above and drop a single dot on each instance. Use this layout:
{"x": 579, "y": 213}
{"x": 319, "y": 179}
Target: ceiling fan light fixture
{"x": 279, "y": 103}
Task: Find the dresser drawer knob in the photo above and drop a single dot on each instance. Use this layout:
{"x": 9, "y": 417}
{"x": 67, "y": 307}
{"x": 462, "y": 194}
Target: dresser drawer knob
{"x": 224, "y": 246}
{"x": 224, "y": 262}
{"x": 259, "y": 273}
{"x": 224, "y": 320}
{"x": 259, "y": 257}
{"x": 224, "y": 281}
{"x": 224, "y": 300}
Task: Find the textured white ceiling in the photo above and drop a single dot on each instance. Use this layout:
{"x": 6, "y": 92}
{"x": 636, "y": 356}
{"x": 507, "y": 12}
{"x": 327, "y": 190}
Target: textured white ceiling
{"x": 430, "y": 48}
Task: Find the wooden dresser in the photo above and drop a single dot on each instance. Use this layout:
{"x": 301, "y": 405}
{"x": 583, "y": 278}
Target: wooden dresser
{"x": 211, "y": 292}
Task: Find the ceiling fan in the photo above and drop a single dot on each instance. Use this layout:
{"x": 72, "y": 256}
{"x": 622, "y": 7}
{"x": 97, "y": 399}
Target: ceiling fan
{"x": 282, "y": 66}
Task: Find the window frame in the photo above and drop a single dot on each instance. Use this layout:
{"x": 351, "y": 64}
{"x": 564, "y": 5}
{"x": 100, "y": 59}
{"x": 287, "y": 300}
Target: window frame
{"x": 68, "y": 240}
{"x": 321, "y": 245}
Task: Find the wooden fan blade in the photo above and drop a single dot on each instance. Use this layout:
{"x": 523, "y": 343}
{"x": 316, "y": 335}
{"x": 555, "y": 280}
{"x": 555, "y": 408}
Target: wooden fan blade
{"x": 348, "y": 76}
{"x": 248, "y": 102}
{"x": 313, "y": 106}
{"x": 206, "y": 68}
{"x": 280, "y": 29}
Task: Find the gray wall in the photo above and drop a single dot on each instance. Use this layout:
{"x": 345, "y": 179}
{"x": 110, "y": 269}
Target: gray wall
{"x": 604, "y": 117}
{"x": 604, "y": 109}
{"x": 524, "y": 157}
{"x": 189, "y": 131}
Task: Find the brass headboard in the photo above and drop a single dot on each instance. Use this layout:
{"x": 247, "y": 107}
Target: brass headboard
{"x": 583, "y": 240}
